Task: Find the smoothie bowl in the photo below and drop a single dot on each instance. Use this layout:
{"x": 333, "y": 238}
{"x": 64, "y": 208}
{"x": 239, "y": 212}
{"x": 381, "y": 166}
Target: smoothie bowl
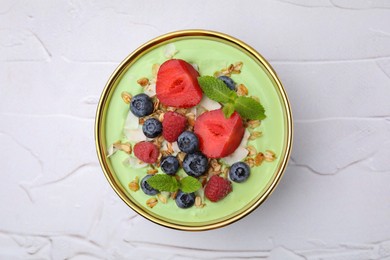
{"x": 193, "y": 130}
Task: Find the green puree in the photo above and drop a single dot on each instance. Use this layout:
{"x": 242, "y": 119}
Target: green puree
{"x": 210, "y": 55}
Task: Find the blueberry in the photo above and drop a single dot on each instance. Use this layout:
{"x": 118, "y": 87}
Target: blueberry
{"x": 169, "y": 165}
{"x": 239, "y": 172}
{"x": 228, "y": 82}
{"x": 141, "y": 105}
{"x": 195, "y": 164}
{"x": 185, "y": 200}
{"x": 188, "y": 142}
{"x": 152, "y": 128}
{"x": 146, "y": 187}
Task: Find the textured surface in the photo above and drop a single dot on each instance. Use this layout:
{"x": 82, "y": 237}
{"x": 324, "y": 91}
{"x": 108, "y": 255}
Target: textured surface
{"x": 333, "y": 57}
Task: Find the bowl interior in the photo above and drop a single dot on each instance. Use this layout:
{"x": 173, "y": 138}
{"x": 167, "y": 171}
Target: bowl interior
{"x": 211, "y": 52}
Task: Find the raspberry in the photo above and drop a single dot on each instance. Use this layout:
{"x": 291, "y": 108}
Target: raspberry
{"x": 146, "y": 152}
{"x": 173, "y": 125}
{"x": 217, "y": 188}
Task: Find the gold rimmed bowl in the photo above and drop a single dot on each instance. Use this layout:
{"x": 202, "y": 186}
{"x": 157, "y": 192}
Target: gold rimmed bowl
{"x": 210, "y": 51}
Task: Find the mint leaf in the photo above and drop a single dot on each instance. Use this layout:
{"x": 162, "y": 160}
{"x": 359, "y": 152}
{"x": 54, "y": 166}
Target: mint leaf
{"x": 163, "y": 182}
{"x": 228, "y": 110}
{"x": 216, "y": 90}
{"x": 190, "y": 184}
{"x": 249, "y": 108}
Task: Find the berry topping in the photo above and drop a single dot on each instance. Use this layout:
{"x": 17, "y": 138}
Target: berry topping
{"x": 146, "y": 188}
{"x": 141, "y": 105}
{"x": 218, "y": 136}
{"x": 188, "y": 142}
{"x": 185, "y": 200}
{"x": 217, "y": 188}
{"x": 195, "y": 164}
{"x": 146, "y": 152}
{"x": 228, "y": 82}
{"x": 173, "y": 125}
{"x": 169, "y": 165}
{"x": 177, "y": 84}
{"x": 239, "y": 172}
{"x": 152, "y": 128}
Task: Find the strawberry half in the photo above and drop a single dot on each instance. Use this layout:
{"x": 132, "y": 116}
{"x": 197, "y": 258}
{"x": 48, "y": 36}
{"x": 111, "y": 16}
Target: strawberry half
{"x": 218, "y": 136}
{"x": 177, "y": 84}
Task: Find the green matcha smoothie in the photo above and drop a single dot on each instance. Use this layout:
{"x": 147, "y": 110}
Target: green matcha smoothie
{"x": 210, "y": 55}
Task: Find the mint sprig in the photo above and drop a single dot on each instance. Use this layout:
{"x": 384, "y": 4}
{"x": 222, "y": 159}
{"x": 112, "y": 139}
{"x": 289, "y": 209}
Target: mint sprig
{"x": 216, "y": 90}
{"x": 190, "y": 184}
{"x": 164, "y": 182}
{"x": 249, "y": 108}
{"x": 228, "y": 109}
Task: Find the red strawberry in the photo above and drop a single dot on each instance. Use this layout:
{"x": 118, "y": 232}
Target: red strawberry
{"x": 146, "y": 152}
{"x": 173, "y": 125}
{"x": 218, "y": 136}
{"x": 177, "y": 84}
{"x": 217, "y": 188}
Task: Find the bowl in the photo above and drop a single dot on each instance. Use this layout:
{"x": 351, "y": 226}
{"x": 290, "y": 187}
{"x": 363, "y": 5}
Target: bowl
{"x": 209, "y": 51}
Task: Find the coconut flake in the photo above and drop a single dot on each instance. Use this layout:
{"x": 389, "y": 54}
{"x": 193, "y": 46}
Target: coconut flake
{"x": 150, "y": 90}
{"x": 155, "y": 69}
{"x": 135, "y": 135}
{"x": 195, "y": 66}
{"x": 209, "y": 104}
{"x": 175, "y": 148}
{"x": 111, "y": 150}
{"x": 163, "y": 196}
{"x": 170, "y": 51}
{"x": 193, "y": 110}
{"x": 199, "y": 111}
{"x": 164, "y": 145}
{"x": 240, "y": 153}
{"x": 134, "y": 163}
{"x": 131, "y": 122}
{"x": 200, "y": 193}
{"x": 245, "y": 138}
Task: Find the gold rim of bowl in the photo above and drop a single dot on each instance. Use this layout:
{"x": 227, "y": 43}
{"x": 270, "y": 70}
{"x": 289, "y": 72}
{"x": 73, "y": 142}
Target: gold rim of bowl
{"x": 110, "y": 86}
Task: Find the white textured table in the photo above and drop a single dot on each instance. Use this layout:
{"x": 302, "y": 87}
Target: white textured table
{"x": 333, "y": 57}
